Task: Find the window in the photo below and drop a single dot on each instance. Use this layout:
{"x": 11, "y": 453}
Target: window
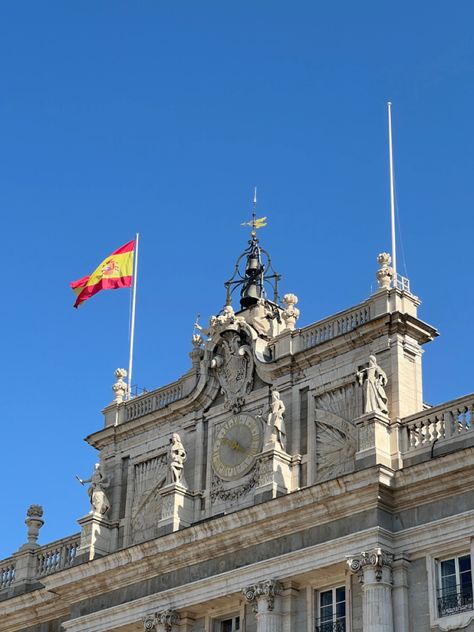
{"x": 331, "y": 610}
{"x": 455, "y": 585}
{"x": 229, "y": 625}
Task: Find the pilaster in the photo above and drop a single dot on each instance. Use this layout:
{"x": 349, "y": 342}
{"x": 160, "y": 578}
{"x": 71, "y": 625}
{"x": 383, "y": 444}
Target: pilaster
{"x": 374, "y": 569}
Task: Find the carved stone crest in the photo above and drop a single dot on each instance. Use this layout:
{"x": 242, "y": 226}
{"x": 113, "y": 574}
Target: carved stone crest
{"x": 233, "y": 365}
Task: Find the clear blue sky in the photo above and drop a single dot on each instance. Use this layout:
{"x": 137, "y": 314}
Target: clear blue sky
{"x": 160, "y": 117}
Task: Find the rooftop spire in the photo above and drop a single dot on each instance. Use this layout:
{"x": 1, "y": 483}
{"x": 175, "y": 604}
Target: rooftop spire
{"x": 258, "y": 269}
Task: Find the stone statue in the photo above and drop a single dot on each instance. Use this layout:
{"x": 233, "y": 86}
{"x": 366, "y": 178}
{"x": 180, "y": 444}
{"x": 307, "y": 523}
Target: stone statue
{"x": 97, "y": 496}
{"x": 385, "y": 272}
{"x": 291, "y": 312}
{"x": 176, "y": 458}
{"x": 374, "y": 379}
{"x": 120, "y": 387}
{"x": 275, "y": 421}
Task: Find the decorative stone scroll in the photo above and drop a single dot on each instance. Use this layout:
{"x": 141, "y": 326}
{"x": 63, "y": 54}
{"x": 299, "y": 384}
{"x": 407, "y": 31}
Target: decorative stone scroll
{"x": 264, "y": 591}
{"x": 375, "y": 560}
{"x": 161, "y": 621}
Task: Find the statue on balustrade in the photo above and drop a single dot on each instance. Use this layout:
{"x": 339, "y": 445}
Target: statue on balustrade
{"x": 97, "y": 496}
{"x": 275, "y": 421}
{"x": 373, "y": 379}
{"x": 176, "y": 458}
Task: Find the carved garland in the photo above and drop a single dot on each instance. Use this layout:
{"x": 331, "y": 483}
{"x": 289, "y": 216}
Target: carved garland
{"x": 218, "y": 489}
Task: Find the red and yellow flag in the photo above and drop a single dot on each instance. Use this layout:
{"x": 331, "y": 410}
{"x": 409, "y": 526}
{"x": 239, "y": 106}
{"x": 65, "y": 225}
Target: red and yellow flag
{"x": 114, "y": 272}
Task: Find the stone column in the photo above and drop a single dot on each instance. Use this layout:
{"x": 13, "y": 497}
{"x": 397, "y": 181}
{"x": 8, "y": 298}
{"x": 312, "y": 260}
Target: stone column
{"x": 265, "y": 600}
{"x": 374, "y": 569}
{"x": 163, "y": 621}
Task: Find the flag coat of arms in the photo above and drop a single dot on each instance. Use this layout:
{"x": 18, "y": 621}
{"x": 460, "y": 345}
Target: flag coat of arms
{"x": 114, "y": 272}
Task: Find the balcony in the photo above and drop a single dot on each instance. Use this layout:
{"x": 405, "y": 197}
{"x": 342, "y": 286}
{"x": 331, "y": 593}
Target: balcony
{"x": 335, "y": 625}
{"x": 455, "y": 602}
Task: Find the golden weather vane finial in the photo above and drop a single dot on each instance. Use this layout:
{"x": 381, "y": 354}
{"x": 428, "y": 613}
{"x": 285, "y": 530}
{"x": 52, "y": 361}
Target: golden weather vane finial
{"x": 256, "y": 222}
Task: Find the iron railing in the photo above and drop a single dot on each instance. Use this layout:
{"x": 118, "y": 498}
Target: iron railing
{"x": 452, "y": 602}
{"x": 336, "y": 625}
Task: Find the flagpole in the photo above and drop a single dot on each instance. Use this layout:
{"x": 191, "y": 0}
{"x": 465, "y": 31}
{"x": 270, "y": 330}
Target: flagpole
{"x": 132, "y": 322}
{"x": 392, "y": 196}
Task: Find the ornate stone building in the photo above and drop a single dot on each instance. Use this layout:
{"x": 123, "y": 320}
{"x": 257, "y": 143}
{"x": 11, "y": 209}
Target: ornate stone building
{"x": 292, "y": 480}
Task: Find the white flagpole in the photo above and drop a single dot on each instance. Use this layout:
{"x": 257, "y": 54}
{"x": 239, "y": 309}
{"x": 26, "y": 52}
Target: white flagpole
{"x": 392, "y": 196}
{"x": 132, "y": 322}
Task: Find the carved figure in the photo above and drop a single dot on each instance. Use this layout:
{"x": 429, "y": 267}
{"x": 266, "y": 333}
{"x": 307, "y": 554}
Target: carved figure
{"x": 97, "y": 496}
{"x": 374, "y": 379}
{"x": 275, "y": 421}
{"x": 176, "y": 458}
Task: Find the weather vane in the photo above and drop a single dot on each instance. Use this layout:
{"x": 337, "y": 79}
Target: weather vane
{"x": 256, "y": 222}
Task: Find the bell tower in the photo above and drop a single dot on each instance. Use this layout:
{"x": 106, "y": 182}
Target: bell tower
{"x": 253, "y": 272}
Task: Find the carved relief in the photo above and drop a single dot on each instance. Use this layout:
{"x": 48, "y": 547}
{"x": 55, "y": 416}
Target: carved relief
{"x": 233, "y": 365}
{"x": 336, "y": 435}
{"x": 226, "y": 491}
{"x": 149, "y": 478}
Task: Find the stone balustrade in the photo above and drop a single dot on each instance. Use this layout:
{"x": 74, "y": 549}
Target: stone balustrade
{"x": 335, "y": 326}
{"x": 439, "y": 423}
{"x": 57, "y": 555}
{"x": 150, "y": 402}
{"x": 7, "y": 573}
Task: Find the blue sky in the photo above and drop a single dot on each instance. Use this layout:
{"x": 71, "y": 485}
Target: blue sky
{"x": 160, "y": 117}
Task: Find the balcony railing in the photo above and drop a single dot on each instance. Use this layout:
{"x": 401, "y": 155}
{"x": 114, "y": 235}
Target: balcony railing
{"x": 439, "y": 423}
{"x": 7, "y": 573}
{"x": 337, "y": 325}
{"x": 56, "y": 556}
{"x": 454, "y": 602}
{"x": 336, "y": 625}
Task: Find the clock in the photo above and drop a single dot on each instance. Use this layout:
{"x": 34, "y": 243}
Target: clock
{"x": 236, "y": 443}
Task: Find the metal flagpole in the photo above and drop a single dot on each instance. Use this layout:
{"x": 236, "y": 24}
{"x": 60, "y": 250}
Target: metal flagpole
{"x": 392, "y": 196}
{"x": 132, "y": 322}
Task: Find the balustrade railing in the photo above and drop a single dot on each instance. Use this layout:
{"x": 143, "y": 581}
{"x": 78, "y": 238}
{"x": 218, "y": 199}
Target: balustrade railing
{"x": 7, "y": 573}
{"x": 439, "y": 423}
{"x": 145, "y": 404}
{"x": 57, "y": 556}
{"x": 335, "y": 326}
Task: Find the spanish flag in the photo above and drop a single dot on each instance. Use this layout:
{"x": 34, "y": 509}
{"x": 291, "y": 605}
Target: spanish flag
{"x": 114, "y": 272}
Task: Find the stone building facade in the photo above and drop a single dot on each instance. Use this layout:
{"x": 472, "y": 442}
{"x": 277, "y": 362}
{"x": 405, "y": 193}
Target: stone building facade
{"x": 293, "y": 480}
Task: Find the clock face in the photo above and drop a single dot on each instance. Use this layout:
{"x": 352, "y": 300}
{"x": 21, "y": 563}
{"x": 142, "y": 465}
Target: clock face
{"x": 236, "y": 443}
